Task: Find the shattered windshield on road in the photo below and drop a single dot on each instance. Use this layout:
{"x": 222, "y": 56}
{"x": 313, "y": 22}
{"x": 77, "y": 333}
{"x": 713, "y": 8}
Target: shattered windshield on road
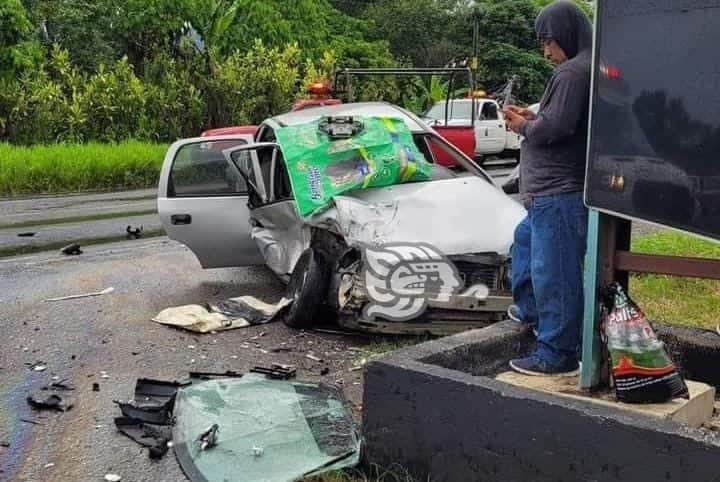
{"x": 267, "y": 430}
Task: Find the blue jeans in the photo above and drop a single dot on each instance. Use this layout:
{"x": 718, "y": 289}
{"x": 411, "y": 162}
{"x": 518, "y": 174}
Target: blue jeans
{"x": 547, "y": 273}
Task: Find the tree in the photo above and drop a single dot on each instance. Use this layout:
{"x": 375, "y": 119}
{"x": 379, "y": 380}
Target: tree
{"x": 17, "y": 50}
{"x": 417, "y": 30}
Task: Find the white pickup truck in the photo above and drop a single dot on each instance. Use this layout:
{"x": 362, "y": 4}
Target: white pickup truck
{"x": 492, "y": 138}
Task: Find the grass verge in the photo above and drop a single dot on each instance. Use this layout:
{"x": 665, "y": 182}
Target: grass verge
{"x": 78, "y": 167}
{"x": 687, "y": 301}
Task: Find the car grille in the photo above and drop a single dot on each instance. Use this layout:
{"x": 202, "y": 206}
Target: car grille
{"x": 490, "y": 270}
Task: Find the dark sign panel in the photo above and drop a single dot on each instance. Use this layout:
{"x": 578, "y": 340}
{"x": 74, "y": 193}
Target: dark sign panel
{"x": 655, "y": 131}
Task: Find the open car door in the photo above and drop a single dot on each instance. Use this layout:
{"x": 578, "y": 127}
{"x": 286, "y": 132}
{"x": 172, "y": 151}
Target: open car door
{"x": 203, "y": 201}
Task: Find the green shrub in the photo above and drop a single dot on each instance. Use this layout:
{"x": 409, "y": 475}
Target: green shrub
{"x": 248, "y": 87}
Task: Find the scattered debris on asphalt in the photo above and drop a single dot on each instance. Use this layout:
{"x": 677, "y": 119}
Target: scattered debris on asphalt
{"x": 112, "y": 478}
{"x": 197, "y": 376}
{"x": 314, "y": 358}
{"x": 71, "y": 250}
{"x": 281, "y": 349}
{"x": 106, "y": 291}
{"x": 50, "y": 465}
{"x": 95, "y": 387}
{"x": 151, "y": 413}
{"x": 104, "y": 375}
{"x": 324, "y": 371}
{"x": 224, "y": 315}
{"x": 59, "y": 385}
{"x": 134, "y": 233}
{"x": 147, "y": 418}
{"x": 154, "y": 437}
{"x": 28, "y": 234}
{"x": 33, "y": 422}
{"x": 259, "y": 335}
{"x": 38, "y": 367}
{"x": 46, "y": 402}
{"x": 5, "y": 444}
{"x": 208, "y": 439}
{"x": 277, "y": 371}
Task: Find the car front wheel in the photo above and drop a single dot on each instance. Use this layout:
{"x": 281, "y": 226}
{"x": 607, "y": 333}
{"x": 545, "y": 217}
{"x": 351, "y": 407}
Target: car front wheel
{"x": 308, "y": 288}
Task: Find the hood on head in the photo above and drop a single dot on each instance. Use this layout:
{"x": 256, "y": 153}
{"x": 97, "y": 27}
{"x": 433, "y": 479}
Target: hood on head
{"x": 564, "y": 22}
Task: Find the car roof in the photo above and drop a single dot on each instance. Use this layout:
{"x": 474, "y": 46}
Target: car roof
{"x": 367, "y": 109}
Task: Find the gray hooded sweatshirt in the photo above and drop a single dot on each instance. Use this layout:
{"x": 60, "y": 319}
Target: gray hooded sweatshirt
{"x": 552, "y": 159}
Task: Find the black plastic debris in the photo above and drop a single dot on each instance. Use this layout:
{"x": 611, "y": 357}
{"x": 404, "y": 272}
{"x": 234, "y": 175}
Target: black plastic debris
{"x": 213, "y": 375}
{"x": 134, "y": 233}
{"x": 46, "y": 402}
{"x": 236, "y": 308}
{"x": 147, "y": 418}
{"x": 71, "y": 250}
{"x": 32, "y": 422}
{"x": 59, "y": 385}
{"x": 152, "y": 413}
{"x": 155, "y": 438}
{"x": 276, "y": 371}
{"x": 158, "y": 391}
{"x": 95, "y": 387}
{"x": 28, "y": 234}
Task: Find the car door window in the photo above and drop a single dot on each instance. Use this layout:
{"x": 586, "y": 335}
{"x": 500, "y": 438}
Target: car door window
{"x": 200, "y": 169}
{"x": 489, "y": 111}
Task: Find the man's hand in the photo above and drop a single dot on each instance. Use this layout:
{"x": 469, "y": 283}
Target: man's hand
{"x": 526, "y": 114}
{"x": 514, "y": 121}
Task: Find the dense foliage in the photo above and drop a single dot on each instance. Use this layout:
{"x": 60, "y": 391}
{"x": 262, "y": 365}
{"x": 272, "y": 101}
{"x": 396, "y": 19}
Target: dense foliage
{"x": 109, "y": 70}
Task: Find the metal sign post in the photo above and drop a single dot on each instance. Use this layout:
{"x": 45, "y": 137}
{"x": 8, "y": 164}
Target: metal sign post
{"x": 610, "y": 259}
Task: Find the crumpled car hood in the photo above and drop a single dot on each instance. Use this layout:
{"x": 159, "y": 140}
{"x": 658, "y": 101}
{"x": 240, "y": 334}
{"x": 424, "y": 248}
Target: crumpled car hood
{"x": 457, "y": 216}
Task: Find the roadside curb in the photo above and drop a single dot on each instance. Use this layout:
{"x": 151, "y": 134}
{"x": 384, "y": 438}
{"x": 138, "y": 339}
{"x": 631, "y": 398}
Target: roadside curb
{"x": 29, "y": 197}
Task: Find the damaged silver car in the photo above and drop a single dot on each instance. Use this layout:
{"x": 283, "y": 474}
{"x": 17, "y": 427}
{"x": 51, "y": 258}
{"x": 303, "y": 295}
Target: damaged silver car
{"x": 420, "y": 257}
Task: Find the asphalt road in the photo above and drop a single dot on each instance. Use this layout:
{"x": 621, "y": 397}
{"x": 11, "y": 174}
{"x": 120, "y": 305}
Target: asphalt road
{"x": 14, "y": 211}
{"x": 65, "y": 233}
{"x": 77, "y": 339}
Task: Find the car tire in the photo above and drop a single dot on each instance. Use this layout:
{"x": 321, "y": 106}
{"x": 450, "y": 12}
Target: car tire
{"x": 308, "y": 288}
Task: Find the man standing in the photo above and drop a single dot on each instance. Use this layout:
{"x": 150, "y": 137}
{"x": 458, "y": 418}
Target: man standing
{"x": 549, "y": 247}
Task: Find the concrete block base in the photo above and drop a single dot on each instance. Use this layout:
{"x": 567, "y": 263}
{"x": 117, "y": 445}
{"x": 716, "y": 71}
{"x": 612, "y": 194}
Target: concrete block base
{"x": 438, "y": 410}
{"x": 693, "y": 412}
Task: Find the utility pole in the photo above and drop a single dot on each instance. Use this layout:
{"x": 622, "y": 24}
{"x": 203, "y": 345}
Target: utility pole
{"x": 475, "y": 41}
